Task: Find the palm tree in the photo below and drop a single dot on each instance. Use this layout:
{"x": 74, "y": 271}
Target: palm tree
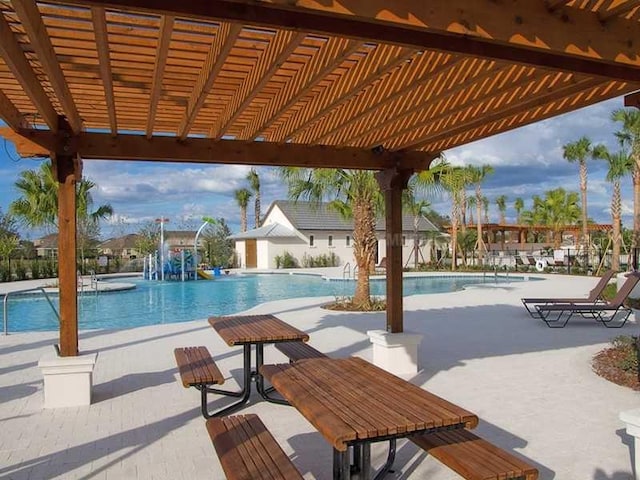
{"x": 477, "y": 175}
{"x": 518, "y": 205}
{"x": 485, "y": 207}
{"x": 619, "y": 165}
{"x": 37, "y": 205}
{"x": 472, "y": 203}
{"x": 242, "y": 196}
{"x": 501, "y": 202}
{"x": 254, "y": 182}
{"x": 418, "y": 209}
{"x": 578, "y": 151}
{"x": 454, "y": 180}
{"x": 354, "y": 194}
{"x": 630, "y": 136}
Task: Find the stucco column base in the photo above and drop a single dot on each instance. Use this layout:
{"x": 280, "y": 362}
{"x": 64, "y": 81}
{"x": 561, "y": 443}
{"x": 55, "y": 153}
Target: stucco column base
{"x": 67, "y": 380}
{"x": 396, "y": 353}
{"x": 632, "y": 419}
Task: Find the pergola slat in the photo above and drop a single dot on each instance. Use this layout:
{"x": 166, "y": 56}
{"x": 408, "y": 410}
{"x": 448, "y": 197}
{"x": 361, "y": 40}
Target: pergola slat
{"x": 164, "y": 37}
{"x": 29, "y": 15}
{"x": 102, "y": 43}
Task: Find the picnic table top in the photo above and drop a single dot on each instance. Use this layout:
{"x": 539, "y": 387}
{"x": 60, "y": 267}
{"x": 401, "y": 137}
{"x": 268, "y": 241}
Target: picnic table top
{"x": 243, "y": 329}
{"x": 349, "y": 400}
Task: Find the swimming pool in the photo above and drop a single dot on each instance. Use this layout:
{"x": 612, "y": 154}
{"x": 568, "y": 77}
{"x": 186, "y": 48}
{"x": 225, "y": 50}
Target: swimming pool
{"x": 154, "y": 302}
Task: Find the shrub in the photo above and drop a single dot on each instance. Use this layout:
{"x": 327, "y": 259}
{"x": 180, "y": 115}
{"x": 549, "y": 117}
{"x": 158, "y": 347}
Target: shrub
{"x": 278, "y": 260}
{"x": 50, "y": 269}
{"x": 323, "y": 260}
{"x": 627, "y": 346}
{"x": 5, "y": 273}
{"x": 21, "y": 270}
{"x": 609, "y": 291}
{"x": 35, "y": 269}
{"x": 288, "y": 260}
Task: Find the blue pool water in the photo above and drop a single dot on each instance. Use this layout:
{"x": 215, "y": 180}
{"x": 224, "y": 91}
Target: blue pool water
{"x": 169, "y": 302}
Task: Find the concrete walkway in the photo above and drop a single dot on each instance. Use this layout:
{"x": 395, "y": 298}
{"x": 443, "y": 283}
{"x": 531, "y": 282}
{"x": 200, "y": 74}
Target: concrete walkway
{"x": 531, "y": 386}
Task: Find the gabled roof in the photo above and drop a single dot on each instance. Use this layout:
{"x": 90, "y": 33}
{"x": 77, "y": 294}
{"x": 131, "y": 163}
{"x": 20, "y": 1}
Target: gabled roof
{"x": 273, "y": 230}
{"x": 48, "y": 241}
{"x": 120, "y": 243}
{"x": 312, "y": 216}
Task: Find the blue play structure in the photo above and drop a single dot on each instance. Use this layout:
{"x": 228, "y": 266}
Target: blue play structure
{"x": 178, "y": 265}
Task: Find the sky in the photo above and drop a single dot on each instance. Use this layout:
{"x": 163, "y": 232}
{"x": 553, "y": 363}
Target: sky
{"x": 527, "y": 161}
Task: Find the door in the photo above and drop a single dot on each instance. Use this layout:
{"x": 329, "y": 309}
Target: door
{"x": 252, "y": 253}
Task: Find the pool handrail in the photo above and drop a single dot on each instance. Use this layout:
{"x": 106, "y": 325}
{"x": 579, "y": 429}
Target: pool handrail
{"x": 35, "y": 289}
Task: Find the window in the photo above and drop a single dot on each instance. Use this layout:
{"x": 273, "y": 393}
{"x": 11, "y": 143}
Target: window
{"x": 331, "y": 240}
{"x": 311, "y": 240}
{"x": 348, "y": 241}
{"x": 404, "y": 240}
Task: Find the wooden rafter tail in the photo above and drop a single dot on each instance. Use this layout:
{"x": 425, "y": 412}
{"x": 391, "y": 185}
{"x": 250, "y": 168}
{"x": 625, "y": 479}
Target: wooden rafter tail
{"x": 14, "y": 57}
{"x": 40, "y": 41}
{"x": 278, "y": 51}
{"x": 632, "y": 100}
{"x": 164, "y": 39}
{"x": 220, "y": 48}
{"x": 9, "y": 113}
{"x": 619, "y": 10}
{"x": 104, "y": 60}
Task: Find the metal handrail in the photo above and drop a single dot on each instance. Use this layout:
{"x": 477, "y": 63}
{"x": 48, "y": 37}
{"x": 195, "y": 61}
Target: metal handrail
{"x": 6, "y": 297}
{"x": 346, "y": 271}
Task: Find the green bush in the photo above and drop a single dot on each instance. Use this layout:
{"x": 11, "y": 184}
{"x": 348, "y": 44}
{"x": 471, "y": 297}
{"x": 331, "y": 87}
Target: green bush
{"x": 288, "y": 260}
{"x": 5, "y": 273}
{"x": 21, "y": 270}
{"x": 50, "y": 269}
{"x": 323, "y": 260}
{"x": 609, "y": 291}
{"x": 35, "y": 269}
{"x": 278, "y": 260}
{"x": 627, "y": 346}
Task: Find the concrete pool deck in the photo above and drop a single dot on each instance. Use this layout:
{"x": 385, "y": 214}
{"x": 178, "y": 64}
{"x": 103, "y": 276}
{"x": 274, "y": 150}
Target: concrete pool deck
{"x": 531, "y": 386}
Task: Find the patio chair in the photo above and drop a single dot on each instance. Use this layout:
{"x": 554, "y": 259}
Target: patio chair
{"x": 604, "y": 313}
{"x": 594, "y": 296}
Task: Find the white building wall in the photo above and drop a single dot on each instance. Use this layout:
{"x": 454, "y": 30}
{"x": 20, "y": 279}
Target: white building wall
{"x": 276, "y": 216}
{"x": 263, "y": 253}
{"x": 241, "y": 252}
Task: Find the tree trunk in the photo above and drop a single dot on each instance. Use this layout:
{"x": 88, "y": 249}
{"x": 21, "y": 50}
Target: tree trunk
{"x": 583, "y": 194}
{"x": 364, "y": 247}
{"x": 479, "y": 241}
{"x": 615, "y": 216}
{"x": 635, "y": 239}
{"x": 243, "y": 219}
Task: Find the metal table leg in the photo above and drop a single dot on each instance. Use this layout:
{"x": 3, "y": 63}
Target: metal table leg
{"x": 391, "y": 456}
{"x": 245, "y": 393}
{"x": 341, "y": 465}
{"x": 264, "y": 392}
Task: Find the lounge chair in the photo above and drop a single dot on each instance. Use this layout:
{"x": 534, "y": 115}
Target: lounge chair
{"x": 605, "y": 313}
{"x": 594, "y": 296}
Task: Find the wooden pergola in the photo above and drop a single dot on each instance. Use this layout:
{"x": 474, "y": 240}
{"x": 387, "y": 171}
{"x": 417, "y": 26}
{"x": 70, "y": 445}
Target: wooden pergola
{"x": 364, "y": 84}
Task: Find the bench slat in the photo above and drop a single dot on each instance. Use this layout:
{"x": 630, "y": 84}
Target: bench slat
{"x": 248, "y": 451}
{"x": 296, "y": 351}
{"x": 473, "y": 457}
{"x": 196, "y": 367}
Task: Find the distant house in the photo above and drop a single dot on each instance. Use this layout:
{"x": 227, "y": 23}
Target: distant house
{"x": 47, "y": 246}
{"x": 123, "y": 247}
{"x": 302, "y": 228}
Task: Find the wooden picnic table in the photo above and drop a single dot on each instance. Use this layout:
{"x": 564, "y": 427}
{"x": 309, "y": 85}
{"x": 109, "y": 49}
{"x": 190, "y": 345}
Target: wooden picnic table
{"x": 353, "y": 403}
{"x": 250, "y": 330}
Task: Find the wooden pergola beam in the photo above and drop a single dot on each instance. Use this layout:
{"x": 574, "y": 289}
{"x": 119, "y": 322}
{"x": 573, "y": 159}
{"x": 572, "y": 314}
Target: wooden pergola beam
{"x": 102, "y": 43}
{"x": 31, "y": 20}
{"x": 519, "y": 31}
{"x": 220, "y": 48}
{"x": 14, "y": 57}
{"x": 102, "y": 146}
{"x": 632, "y": 100}
{"x": 164, "y": 39}
{"x": 9, "y": 113}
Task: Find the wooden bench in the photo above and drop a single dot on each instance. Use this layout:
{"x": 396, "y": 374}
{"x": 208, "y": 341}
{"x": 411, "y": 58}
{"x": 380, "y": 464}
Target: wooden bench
{"x": 296, "y": 351}
{"x": 197, "y": 369}
{"x": 473, "y": 458}
{"x": 248, "y": 451}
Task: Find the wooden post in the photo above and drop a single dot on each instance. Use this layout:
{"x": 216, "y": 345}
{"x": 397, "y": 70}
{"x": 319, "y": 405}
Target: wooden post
{"x": 67, "y": 169}
{"x": 392, "y": 182}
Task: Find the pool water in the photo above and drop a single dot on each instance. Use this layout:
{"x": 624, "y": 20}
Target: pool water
{"x": 153, "y": 302}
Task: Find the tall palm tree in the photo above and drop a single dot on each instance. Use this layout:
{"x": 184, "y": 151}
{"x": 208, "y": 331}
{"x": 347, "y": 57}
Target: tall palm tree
{"x": 242, "y": 196}
{"x": 354, "y": 194}
{"x": 501, "y": 202}
{"x": 37, "y": 205}
{"x": 559, "y": 208}
{"x": 418, "y": 208}
{"x": 485, "y": 207}
{"x": 472, "y": 203}
{"x": 630, "y": 136}
{"x": 578, "y": 151}
{"x": 454, "y": 180}
{"x": 254, "y": 182}
{"x": 477, "y": 176}
{"x": 619, "y": 165}
{"x": 518, "y": 206}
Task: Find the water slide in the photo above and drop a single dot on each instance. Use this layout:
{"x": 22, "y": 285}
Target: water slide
{"x": 205, "y": 275}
